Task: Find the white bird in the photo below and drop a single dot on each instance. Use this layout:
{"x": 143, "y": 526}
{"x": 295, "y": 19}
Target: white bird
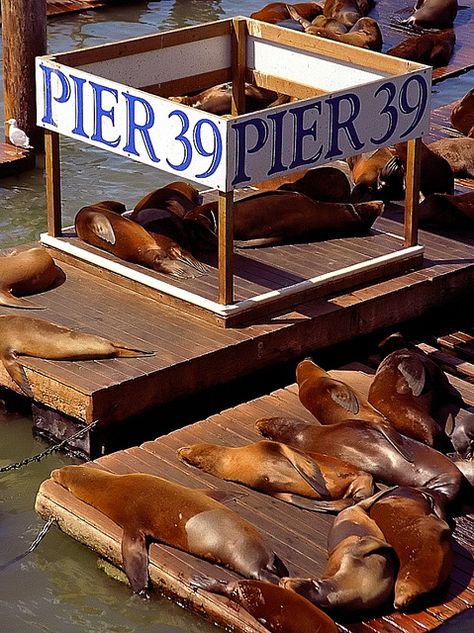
{"x": 17, "y": 136}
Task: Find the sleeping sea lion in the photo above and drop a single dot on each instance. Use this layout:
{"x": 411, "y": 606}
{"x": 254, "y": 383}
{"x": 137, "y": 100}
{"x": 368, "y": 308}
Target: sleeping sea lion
{"x": 278, "y": 11}
{"x": 421, "y": 540}
{"x": 278, "y": 217}
{"x": 127, "y": 240}
{"x": 346, "y": 11}
{"x": 357, "y": 379}
{"x": 322, "y": 184}
{"x": 434, "y": 48}
{"x": 283, "y": 472}
{"x": 25, "y": 273}
{"x": 433, "y": 14}
{"x": 278, "y": 609}
{"x": 462, "y": 114}
{"x": 459, "y": 152}
{"x": 218, "y": 99}
{"x": 436, "y": 175}
{"x": 178, "y": 197}
{"x": 328, "y": 24}
{"x": 331, "y": 401}
{"x": 360, "y": 571}
{"x": 441, "y": 209}
{"x": 387, "y": 455}
{"x": 366, "y": 172}
{"x": 25, "y": 336}
{"x": 147, "y": 507}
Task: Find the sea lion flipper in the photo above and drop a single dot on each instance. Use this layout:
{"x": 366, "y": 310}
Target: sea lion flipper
{"x": 129, "y": 352}
{"x": 135, "y": 560}
{"x": 414, "y": 373}
{"x": 214, "y": 585}
{"x": 307, "y": 468}
{"x": 102, "y": 227}
{"x": 17, "y": 372}
{"x": 344, "y": 396}
{"x": 397, "y": 441}
{"x": 7, "y": 299}
{"x": 312, "y": 504}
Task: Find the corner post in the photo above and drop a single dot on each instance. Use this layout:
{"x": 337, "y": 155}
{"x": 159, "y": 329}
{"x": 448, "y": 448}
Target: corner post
{"x": 412, "y": 191}
{"x": 226, "y": 247}
{"x": 53, "y": 183}
{"x": 239, "y": 64}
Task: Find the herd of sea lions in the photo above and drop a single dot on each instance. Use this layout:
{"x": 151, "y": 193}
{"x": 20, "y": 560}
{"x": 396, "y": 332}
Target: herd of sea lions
{"x": 372, "y": 454}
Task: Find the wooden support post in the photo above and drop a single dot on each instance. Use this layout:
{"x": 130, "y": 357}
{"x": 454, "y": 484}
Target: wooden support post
{"x": 226, "y": 247}
{"x": 239, "y": 63}
{"x": 53, "y": 183}
{"x": 24, "y": 37}
{"x": 412, "y": 191}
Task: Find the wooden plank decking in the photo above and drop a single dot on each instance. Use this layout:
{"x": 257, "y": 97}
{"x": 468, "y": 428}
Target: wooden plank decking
{"x": 298, "y": 536}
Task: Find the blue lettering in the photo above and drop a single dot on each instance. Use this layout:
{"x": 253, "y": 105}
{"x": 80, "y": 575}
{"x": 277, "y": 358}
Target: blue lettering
{"x": 301, "y": 132}
{"x": 277, "y": 145}
{"x": 79, "y": 101}
{"x": 335, "y": 125}
{"x": 187, "y": 147}
{"x": 100, "y": 112}
{"x": 241, "y": 145}
{"x": 389, "y": 110}
{"x": 48, "y": 93}
{"x": 132, "y": 127}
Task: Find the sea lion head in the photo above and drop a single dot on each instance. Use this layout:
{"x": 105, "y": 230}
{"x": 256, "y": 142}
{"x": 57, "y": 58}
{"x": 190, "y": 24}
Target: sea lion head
{"x": 462, "y": 437}
{"x": 278, "y": 429}
{"x": 202, "y": 456}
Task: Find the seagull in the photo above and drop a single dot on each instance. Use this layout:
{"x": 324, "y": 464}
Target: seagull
{"x": 17, "y": 136}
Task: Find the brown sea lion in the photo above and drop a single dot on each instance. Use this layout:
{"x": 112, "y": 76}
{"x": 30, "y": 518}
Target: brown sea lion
{"x": 433, "y": 14}
{"x": 322, "y": 184}
{"x": 331, "y": 401}
{"x": 278, "y": 217}
{"x": 388, "y": 456}
{"x": 421, "y": 540}
{"x": 328, "y": 24}
{"x": 283, "y": 472}
{"x": 459, "y": 152}
{"x": 434, "y": 48}
{"x": 366, "y": 172}
{"x": 26, "y": 336}
{"x": 441, "y": 209}
{"x": 436, "y": 175}
{"x": 461, "y": 433}
{"x": 218, "y": 99}
{"x": 279, "y": 610}
{"x": 278, "y": 11}
{"x": 346, "y": 11}
{"x": 178, "y": 197}
{"x": 147, "y": 508}
{"x": 360, "y": 571}
{"x": 127, "y": 240}
{"x": 357, "y": 379}
{"x": 25, "y": 273}
{"x": 462, "y": 114}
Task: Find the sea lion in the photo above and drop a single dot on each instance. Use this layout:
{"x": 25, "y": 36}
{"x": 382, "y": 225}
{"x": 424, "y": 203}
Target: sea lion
{"x": 441, "y": 209}
{"x": 388, "y": 456}
{"x": 329, "y": 400}
{"x": 357, "y": 379}
{"x": 278, "y": 217}
{"x": 462, "y": 114}
{"x": 433, "y": 14}
{"x": 178, "y": 197}
{"x": 126, "y": 239}
{"x": 434, "y": 48}
{"x": 283, "y": 472}
{"x": 148, "y": 507}
{"x": 459, "y": 152}
{"x": 25, "y": 273}
{"x": 322, "y": 184}
{"x": 421, "y": 540}
{"x": 26, "y": 336}
{"x": 218, "y": 99}
{"x": 366, "y": 172}
{"x": 460, "y": 429}
{"x": 278, "y": 609}
{"x": 278, "y": 11}
{"x": 328, "y": 24}
{"x": 346, "y": 11}
{"x": 360, "y": 571}
{"x": 436, "y": 175}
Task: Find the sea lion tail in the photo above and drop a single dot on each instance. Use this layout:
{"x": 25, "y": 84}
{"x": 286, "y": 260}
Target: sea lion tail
{"x": 314, "y": 505}
{"x": 307, "y": 468}
{"x": 8, "y": 300}
{"x": 294, "y": 15}
{"x": 123, "y": 351}
{"x": 214, "y": 585}
{"x": 17, "y": 373}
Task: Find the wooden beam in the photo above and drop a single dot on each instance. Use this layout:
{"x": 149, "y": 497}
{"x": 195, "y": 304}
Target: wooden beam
{"x": 239, "y": 62}
{"x": 24, "y": 37}
{"x": 226, "y": 246}
{"x": 53, "y": 183}
{"x": 412, "y": 191}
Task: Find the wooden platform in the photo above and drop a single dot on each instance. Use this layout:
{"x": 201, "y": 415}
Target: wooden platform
{"x": 298, "y": 536}
{"x": 14, "y": 160}
{"x": 60, "y": 7}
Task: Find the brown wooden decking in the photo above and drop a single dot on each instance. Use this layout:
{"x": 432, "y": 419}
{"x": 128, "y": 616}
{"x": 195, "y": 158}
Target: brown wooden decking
{"x": 298, "y": 536}
{"x": 60, "y": 7}
{"x": 14, "y": 160}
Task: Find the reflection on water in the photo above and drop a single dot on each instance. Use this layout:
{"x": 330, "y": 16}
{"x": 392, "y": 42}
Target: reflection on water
{"x": 58, "y": 588}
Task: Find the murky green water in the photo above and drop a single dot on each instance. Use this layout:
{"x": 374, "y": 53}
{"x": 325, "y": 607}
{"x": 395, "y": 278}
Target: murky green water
{"x": 58, "y": 588}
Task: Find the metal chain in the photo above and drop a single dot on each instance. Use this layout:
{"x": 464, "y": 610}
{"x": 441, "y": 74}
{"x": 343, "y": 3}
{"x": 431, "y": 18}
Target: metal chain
{"x": 50, "y": 450}
{"x": 33, "y": 545}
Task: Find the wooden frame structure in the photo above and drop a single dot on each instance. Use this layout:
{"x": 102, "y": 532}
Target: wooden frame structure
{"x": 358, "y": 100}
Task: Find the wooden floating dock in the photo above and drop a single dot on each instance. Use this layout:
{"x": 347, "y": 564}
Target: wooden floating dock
{"x": 14, "y": 160}
{"x": 297, "y": 535}
{"x": 61, "y": 7}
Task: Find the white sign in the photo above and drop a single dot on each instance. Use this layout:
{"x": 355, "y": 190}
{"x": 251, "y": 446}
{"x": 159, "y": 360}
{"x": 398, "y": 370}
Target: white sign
{"x": 227, "y": 153}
